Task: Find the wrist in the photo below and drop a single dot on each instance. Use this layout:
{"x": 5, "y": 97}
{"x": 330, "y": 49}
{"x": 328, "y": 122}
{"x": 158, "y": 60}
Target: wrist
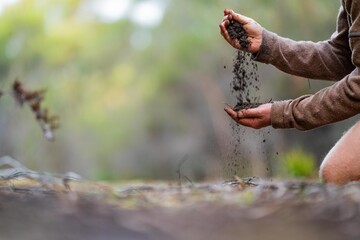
{"x": 265, "y": 52}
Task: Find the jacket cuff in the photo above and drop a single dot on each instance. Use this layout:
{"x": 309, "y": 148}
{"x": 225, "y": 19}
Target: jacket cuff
{"x": 265, "y": 54}
{"x": 277, "y": 114}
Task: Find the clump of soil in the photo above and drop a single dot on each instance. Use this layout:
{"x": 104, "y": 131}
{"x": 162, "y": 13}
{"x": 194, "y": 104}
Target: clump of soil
{"x": 245, "y": 105}
{"x": 237, "y": 31}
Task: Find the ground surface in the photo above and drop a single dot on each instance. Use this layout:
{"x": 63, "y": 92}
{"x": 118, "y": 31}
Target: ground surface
{"x": 250, "y": 209}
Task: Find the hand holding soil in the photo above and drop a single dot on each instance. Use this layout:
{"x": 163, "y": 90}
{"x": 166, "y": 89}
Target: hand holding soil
{"x": 233, "y": 24}
{"x": 257, "y": 118}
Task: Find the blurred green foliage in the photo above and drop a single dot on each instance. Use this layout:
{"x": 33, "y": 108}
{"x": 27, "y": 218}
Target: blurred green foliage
{"x": 135, "y": 98}
{"x": 298, "y": 163}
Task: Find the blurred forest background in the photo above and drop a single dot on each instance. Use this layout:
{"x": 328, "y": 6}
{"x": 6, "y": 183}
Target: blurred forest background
{"x": 140, "y": 87}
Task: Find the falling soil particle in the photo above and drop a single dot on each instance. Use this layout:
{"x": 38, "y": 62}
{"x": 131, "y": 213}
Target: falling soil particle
{"x": 246, "y": 78}
{"x": 244, "y": 87}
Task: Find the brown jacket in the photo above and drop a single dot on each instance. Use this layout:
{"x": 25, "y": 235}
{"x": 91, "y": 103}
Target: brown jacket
{"x": 336, "y": 59}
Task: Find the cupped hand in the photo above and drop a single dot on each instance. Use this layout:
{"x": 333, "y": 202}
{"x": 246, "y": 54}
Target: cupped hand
{"x": 252, "y": 28}
{"x": 257, "y": 118}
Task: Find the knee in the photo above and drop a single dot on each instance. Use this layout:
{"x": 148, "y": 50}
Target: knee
{"x": 326, "y": 175}
{"x": 329, "y": 173}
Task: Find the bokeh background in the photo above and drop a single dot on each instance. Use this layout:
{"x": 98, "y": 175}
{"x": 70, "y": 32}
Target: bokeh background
{"x": 140, "y": 87}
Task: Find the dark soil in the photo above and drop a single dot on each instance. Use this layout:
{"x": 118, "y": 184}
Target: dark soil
{"x": 245, "y": 105}
{"x": 237, "y": 31}
{"x": 245, "y": 88}
{"x": 245, "y": 80}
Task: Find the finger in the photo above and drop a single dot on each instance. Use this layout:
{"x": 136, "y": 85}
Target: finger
{"x": 223, "y": 25}
{"x": 224, "y": 31}
{"x": 227, "y": 12}
{"x": 249, "y": 122}
{"x": 249, "y": 113}
{"x": 231, "y": 113}
{"x": 240, "y": 18}
{"x": 225, "y": 18}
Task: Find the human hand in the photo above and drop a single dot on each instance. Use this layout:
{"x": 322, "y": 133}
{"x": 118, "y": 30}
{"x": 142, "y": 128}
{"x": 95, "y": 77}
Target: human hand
{"x": 252, "y": 28}
{"x": 254, "y": 117}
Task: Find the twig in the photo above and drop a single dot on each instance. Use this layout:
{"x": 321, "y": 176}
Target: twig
{"x": 178, "y": 171}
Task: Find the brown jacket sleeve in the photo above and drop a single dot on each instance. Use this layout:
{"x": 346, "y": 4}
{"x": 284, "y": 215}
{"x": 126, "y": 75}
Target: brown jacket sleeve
{"x": 325, "y": 60}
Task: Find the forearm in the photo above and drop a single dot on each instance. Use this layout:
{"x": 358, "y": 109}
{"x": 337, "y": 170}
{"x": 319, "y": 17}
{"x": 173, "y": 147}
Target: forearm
{"x": 327, "y": 60}
{"x": 332, "y": 104}
{"x": 321, "y": 60}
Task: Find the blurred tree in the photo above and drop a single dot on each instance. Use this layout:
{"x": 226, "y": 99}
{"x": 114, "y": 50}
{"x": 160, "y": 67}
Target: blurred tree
{"x": 136, "y": 90}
